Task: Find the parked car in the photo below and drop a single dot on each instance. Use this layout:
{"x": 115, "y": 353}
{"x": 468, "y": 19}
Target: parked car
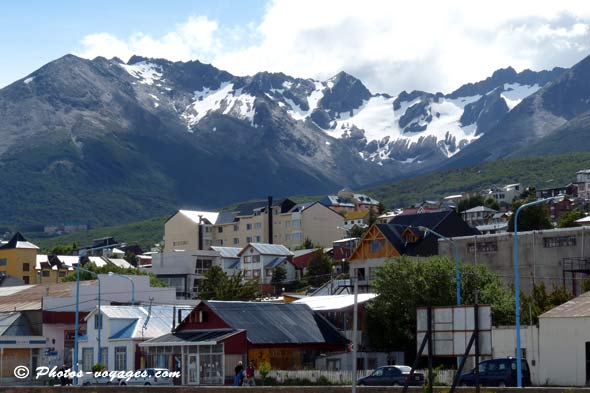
{"x": 497, "y": 372}
{"x": 392, "y": 376}
{"x": 150, "y": 379}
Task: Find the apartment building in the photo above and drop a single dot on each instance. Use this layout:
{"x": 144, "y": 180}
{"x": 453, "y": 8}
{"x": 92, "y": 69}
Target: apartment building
{"x": 280, "y": 222}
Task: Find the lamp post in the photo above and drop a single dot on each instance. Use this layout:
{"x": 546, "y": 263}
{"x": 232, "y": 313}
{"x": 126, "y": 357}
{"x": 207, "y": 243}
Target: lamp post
{"x": 76, "y": 323}
{"x": 457, "y": 260}
{"x": 517, "y": 287}
{"x": 132, "y": 285}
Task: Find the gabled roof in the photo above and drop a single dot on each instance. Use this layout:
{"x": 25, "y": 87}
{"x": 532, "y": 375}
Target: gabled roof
{"x": 577, "y": 307}
{"x": 298, "y": 208}
{"x": 18, "y": 241}
{"x": 16, "y": 324}
{"x": 227, "y": 252}
{"x": 477, "y": 209}
{"x": 277, "y": 323}
{"x": 195, "y": 216}
{"x": 268, "y": 249}
{"x": 365, "y": 199}
{"x": 357, "y": 215}
{"x": 226, "y": 217}
{"x": 428, "y": 220}
{"x": 335, "y": 200}
{"x": 191, "y": 337}
{"x": 248, "y": 208}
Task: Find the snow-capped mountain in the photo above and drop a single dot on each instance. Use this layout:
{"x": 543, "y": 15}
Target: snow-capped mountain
{"x": 144, "y": 137}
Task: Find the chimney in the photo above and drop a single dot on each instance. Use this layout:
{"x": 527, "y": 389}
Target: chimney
{"x": 173, "y": 319}
{"x": 270, "y": 231}
{"x": 200, "y": 232}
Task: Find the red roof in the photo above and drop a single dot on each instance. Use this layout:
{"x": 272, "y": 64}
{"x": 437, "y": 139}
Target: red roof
{"x": 301, "y": 261}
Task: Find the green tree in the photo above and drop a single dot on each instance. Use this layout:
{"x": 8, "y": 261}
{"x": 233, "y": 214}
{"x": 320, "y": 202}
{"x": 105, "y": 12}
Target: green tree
{"x": 567, "y": 220}
{"x": 219, "y": 286}
{"x": 279, "y": 274}
{"x": 154, "y": 282}
{"x": 62, "y": 249}
{"x": 472, "y": 201}
{"x": 491, "y": 203}
{"x": 381, "y": 208}
{"x": 306, "y": 245}
{"x": 319, "y": 269}
{"x": 406, "y": 283}
{"x": 357, "y": 231}
{"x": 540, "y": 301}
{"x": 532, "y": 218}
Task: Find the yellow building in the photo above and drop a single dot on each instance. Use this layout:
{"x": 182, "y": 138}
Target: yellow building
{"x": 18, "y": 258}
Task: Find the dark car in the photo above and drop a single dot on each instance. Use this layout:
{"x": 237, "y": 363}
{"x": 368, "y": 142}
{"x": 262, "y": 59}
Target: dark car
{"x": 497, "y": 372}
{"x": 392, "y": 376}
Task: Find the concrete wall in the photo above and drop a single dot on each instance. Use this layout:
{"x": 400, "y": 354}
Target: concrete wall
{"x": 540, "y": 261}
{"x": 563, "y": 350}
{"x": 181, "y": 233}
{"x": 320, "y": 224}
{"x": 504, "y": 345}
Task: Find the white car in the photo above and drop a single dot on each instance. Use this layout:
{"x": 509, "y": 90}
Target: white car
{"x": 150, "y": 379}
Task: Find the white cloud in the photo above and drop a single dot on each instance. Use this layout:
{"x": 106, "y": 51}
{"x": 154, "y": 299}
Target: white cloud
{"x": 433, "y": 46}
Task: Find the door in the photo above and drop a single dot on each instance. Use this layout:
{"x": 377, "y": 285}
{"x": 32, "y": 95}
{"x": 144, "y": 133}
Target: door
{"x": 193, "y": 370}
{"x": 587, "y": 362}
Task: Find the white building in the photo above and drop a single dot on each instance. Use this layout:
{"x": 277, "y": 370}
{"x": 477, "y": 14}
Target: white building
{"x": 259, "y": 259}
{"x": 583, "y": 183}
{"x": 505, "y": 194}
{"x": 565, "y": 343}
{"x": 123, "y": 327}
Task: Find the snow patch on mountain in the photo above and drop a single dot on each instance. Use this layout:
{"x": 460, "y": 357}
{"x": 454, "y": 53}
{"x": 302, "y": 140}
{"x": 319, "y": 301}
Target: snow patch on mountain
{"x": 29, "y": 80}
{"x": 223, "y": 99}
{"x": 146, "y": 72}
{"x": 312, "y": 101}
{"x": 514, "y": 93}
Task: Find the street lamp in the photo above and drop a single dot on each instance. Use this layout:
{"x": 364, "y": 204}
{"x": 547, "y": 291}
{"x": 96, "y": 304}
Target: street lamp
{"x": 457, "y": 260}
{"x": 76, "y": 324}
{"x": 132, "y": 285}
{"x": 517, "y": 287}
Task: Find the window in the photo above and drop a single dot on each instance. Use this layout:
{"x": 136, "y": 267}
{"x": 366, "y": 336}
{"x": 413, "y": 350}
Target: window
{"x": 296, "y": 223}
{"x": 376, "y": 245}
{"x": 121, "y": 358}
{"x": 104, "y": 357}
{"x": 257, "y": 238}
{"x": 61, "y": 274}
{"x": 26, "y": 267}
{"x": 26, "y": 279}
{"x": 247, "y": 259}
{"x": 236, "y": 227}
{"x": 248, "y": 227}
{"x": 208, "y": 229}
{"x": 255, "y": 258}
{"x": 345, "y": 222}
{"x": 559, "y": 241}
{"x": 207, "y": 242}
{"x": 249, "y": 239}
{"x": 219, "y": 229}
{"x": 219, "y": 242}
{"x": 483, "y": 247}
{"x": 247, "y": 273}
{"x": 203, "y": 265}
{"x": 87, "y": 358}
{"x": 98, "y": 321}
{"x": 46, "y": 273}
{"x": 2, "y": 261}
{"x": 258, "y": 225}
{"x": 268, "y": 272}
{"x": 255, "y": 273}
{"x": 236, "y": 240}
{"x": 180, "y": 243}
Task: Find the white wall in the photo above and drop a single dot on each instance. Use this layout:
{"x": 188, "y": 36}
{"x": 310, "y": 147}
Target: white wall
{"x": 504, "y": 345}
{"x": 563, "y": 350}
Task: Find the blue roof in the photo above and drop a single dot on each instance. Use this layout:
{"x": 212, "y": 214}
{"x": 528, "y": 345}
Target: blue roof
{"x": 276, "y": 261}
{"x": 235, "y": 265}
{"x": 126, "y": 332}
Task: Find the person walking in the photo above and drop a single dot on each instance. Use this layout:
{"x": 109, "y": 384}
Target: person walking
{"x": 250, "y": 381}
{"x": 239, "y": 376}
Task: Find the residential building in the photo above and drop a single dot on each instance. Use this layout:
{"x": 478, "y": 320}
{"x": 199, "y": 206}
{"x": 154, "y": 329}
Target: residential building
{"x": 555, "y": 257}
{"x": 258, "y": 261}
{"x": 18, "y": 258}
{"x": 478, "y": 215}
{"x": 58, "y": 305}
{"x": 583, "y": 183}
{"x": 301, "y": 259}
{"x": 570, "y": 190}
{"x": 218, "y": 334}
{"x": 189, "y": 230}
{"x": 342, "y": 249}
{"x": 559, "y": 207}
{"x": 403, "y": 235}
{"x": 122, "y": 329}
{"x": 359, "y": 218}
{"x": 347, "y": 201}
{"x": 7, "y": 280}
{"x": 504, "y": 194}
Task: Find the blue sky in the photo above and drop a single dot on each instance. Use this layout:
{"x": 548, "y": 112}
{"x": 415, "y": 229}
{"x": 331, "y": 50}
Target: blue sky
{"x": 390, "y": 46}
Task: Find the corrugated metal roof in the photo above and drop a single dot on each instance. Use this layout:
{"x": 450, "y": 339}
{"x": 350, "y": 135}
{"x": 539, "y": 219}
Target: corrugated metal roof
{"x": 575, "y": 308}
{"x": 121, "y": 263}
{"x": 269, "y": 249}
{"x": 126, "y": 332}
{"x": 298, "y": 253}
{"x": 227, "y": 252}
{"x": 190, "y": 337}
{"x": 193, "y": 215}
{"x": 29, "y": 297}
{"x": 274, "y": 262}
{"x": 225, "y": 217}
{"x": 277, "y": 323}
{"x": 334, "y": 302}
{"x": 18, "y": 241}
